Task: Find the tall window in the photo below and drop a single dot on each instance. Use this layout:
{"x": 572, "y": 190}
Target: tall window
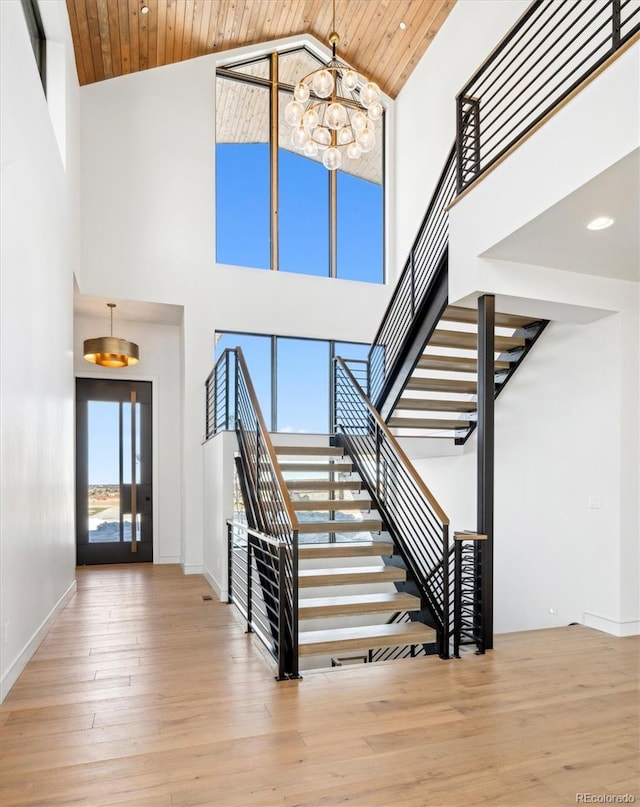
{"x": 292, "y": 377}
{"x": 277, "y": 208}
{"x": 37, "y": 37}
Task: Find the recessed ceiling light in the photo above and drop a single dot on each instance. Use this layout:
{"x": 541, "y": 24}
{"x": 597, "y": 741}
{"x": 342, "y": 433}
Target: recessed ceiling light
{"x": 601, "y": 223}
{"x": 144, "y": 10}
{"x": 402, "y": 26}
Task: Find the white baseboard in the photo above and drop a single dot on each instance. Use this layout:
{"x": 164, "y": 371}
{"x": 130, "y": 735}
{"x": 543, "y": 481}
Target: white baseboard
{"x": 193, "y": 568}
{"x": 13, "y": 673}
{"x": 215, "y": 585}
{"x": 168, "y": 559}
{"x": 630, "y": 627}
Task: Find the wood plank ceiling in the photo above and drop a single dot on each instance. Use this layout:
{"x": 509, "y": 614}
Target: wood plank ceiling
{"x": 113, "y": 37}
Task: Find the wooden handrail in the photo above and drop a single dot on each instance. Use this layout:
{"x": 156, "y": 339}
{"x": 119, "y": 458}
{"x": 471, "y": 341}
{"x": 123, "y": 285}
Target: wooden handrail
{"x": 396, "y": 447}
{"x": 284, "y": 491}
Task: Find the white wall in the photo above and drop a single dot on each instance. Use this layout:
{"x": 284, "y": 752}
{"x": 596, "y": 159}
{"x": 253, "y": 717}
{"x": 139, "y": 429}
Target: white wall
{"x": 425, "y": 109}
{"x": 148, "y": 146}
{"x": 39, "y": 255}
{"x": 219, "y": 490}
{"x": 161, "y": 363}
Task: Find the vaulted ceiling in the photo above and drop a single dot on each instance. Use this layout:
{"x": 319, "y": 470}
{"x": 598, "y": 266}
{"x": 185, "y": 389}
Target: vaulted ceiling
{"x": 114, "y": 37}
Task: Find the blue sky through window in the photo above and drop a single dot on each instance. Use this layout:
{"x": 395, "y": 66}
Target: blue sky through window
{"x": 302, "y": 377}
{"x": 243, "y": 205}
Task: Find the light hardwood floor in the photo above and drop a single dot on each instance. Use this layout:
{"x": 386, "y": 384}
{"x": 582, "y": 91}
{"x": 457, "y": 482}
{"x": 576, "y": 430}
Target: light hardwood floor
{"x": 144, "y": 694}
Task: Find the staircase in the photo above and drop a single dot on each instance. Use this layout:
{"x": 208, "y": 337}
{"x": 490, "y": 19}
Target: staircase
{"x": 347, "y": 592}
{"x": 439, "y": 398}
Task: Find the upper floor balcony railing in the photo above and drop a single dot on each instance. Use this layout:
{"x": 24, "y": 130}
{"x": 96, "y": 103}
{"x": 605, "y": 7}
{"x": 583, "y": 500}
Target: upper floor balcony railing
{"x": 546, "y": 56}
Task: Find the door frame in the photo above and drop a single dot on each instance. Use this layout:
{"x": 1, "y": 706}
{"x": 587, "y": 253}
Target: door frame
{"x": 101, "y": 376}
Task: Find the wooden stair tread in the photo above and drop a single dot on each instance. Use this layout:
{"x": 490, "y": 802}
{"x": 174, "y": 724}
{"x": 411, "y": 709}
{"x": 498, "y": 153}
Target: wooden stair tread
{"x": 457, "y": 364}
{"x": 323, "y": 467}
{"x": 310, "y": 578}
{"x": 323, "y": 484}
{"x": 309, "y": 451}
{"x": 355, "y": 549}
{"x": 435, "y": 405}
{"x": 332, "y": 504}
{"x": 366, "y": 525}
{"x": 354, "y": 604}
{"x": 418, "y": 383}
{"x": 455, "y": 313}
{"x": 321, "y": 642}
{"x": 466, "y": 340}
{"x": 427, "y": 423}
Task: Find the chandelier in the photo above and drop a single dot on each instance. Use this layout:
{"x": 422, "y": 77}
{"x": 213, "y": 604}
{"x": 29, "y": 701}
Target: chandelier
{"x": 334, "y": 110}
{"x": 110, "y": 351}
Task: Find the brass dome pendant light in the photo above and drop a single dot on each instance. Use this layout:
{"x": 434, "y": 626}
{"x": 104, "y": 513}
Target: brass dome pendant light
{"x": 111, "y": 351}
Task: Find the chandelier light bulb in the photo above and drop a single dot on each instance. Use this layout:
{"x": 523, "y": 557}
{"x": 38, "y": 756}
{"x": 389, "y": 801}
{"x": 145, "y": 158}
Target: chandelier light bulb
{"x": 310, "y": 148}
{"x": 350, "y": 80}
{"x": 369, "y": 94}
{"x": 323, "y": 84}
{"x": 353, "y": 151}
{"x": 301, "y": 93}
{"x": 345, "y": 135}
{"x": 336, "y": 116}
{"x": 375, "y": 111}
{"x": 299, "y": 136}
{"x": 332, "y": 158}
{"x": 293, "y": 113}
{"x": 358, "y": 121}
{"x": 322, "y": 137}
{"x": 366, "y": 140}
{"x": 311, "y": 119}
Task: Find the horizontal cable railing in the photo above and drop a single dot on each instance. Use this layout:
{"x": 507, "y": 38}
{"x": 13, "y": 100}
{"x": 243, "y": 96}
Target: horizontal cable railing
{"x": 257, "y": 586}
{"x": 230, "y": 387}
{"x": 413, "y": 286}
{"x": 550, "y": 51}
{"x": 220, "y": 395}
{"x": 417, "y": 523}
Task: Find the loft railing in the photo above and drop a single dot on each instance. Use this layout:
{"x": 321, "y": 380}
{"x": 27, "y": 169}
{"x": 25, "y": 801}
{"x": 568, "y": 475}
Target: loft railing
{"x": 407, "y": 302}
{"x": 417, "y": 523}
{"x": 550, "y": 51}
{"x": 232, "y": 403}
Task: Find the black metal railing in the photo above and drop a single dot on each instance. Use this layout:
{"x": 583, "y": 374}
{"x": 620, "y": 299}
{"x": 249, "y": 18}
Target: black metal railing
{"x": 467, "y": 610}
{"x": 230, "y": 387}
{"x": 550, "y": 51}
{"x": 218, "y": 396}
{"x": 257, "y": 587}
{"x": 411, "y": 291}
{"x": 418, "y": 525}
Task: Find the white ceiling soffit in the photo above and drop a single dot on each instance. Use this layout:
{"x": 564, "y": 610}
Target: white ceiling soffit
{"x": 558, "y": 238}
{"x": 156, "y": 313}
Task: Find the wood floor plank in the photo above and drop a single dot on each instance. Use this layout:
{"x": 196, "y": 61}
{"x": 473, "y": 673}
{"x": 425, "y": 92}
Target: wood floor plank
{"x": 202, "y": 721}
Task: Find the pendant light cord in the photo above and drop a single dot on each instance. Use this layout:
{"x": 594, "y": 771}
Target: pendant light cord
{"x": 111, "y": 307}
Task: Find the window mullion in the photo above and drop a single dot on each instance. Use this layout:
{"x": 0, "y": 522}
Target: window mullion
{"x": 273, "y": 148}
{"x": 333, "y": 223}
